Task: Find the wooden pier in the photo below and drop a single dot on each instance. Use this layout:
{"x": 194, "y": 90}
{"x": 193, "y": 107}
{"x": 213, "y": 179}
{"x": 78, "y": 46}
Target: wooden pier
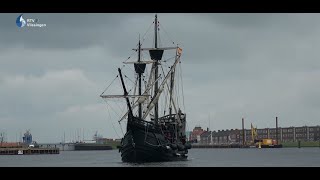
{"x": 28, "y": 151}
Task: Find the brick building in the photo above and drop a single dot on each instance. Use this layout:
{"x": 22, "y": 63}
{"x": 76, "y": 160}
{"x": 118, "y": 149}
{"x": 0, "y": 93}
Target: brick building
{"x": 286, "y": 134}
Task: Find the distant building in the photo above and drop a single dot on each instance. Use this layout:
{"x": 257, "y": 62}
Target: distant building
{"x": 234, "y": 136}
{"x": 27, "y": 138}
{"x": 205, "y": 137}
{"x": 10, "y": 145}
{"x": 195, "y": 134}
{"x": 287, "y": 134}
{"x": 2, "y": 137}
{"x": 263, "y": 133}
{"x": 102, "y": 140}
{"x": 314, "y": 133}
{"x": 221, "y": 137}
{"x": 106, "y": 140}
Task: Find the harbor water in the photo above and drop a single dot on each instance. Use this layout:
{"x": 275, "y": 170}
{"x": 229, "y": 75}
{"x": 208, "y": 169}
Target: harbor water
{"x": 291, "y": 157}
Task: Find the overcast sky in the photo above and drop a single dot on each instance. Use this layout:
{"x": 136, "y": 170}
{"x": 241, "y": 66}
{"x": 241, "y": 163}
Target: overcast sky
{"x": 256, "y": 66}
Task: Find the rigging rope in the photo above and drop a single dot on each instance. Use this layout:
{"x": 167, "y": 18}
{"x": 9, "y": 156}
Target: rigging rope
{"x": 130, "y": 79}
{"x": 146, "y": 134}
{"x": 170, "y": 39}
{"x": 184, "y": 107}
{"x": 167, "y": 103}
{"x": 112, "y": 122}
{"x": 146, "y": 75}
{"x": 165, "y": 93}
{"x": 131, "y": 69}
{"x": 113, "y": 109}
{"x": 135, "y": 87}
{"x": 121, "y": 109}
{"x": 121, "y": 128}
{"x": 129, "y": 57}
{"x": 145, "y": 52}
{"x": 110, "y": 84}
{"x": 177, "y": 90}
{"x": 143, "y": 37}
{"x": 168, "y": 59}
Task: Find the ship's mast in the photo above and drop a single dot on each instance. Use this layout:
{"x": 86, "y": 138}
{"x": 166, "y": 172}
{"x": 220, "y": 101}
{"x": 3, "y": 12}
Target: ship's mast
{"x": 139, "y": 74}
{"x": 156, "y": 68}
{"x": 171, "y": 91}
{"x": 125, "y": 94}
{"x": 156, "y": 54}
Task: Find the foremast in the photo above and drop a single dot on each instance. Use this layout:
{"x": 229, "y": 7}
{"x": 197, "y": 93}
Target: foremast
{"x": 156, "y": 108}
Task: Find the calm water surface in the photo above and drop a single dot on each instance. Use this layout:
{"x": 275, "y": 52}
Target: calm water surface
{"x": 197, "y": 157}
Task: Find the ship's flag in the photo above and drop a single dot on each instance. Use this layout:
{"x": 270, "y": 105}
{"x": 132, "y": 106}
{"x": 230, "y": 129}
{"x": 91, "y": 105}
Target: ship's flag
{"x": 179, "y": 51}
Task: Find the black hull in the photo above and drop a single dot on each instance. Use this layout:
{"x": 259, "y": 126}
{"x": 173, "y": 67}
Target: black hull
{"x": 142, "y": 144}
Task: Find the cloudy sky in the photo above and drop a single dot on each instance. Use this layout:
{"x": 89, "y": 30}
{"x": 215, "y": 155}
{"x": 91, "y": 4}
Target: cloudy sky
{"x": 256, "y": 66}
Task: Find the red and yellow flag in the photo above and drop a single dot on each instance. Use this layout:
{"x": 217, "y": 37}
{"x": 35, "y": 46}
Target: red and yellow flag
{"x": 179, "y": 51}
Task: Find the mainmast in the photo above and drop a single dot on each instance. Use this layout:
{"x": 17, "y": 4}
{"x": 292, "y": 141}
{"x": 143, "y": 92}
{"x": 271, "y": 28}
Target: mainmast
{"x": 139, "y": 76}
{"x": 156, "y": 54}
{"x": 156, "y": 68}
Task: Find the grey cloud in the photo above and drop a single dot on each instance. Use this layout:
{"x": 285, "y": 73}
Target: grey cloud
{"x": 255, "y": 66}
{"x": 63, "y": 31}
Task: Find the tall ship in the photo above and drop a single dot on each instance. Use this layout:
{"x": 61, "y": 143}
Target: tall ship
{"x": 154, "y": 115}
